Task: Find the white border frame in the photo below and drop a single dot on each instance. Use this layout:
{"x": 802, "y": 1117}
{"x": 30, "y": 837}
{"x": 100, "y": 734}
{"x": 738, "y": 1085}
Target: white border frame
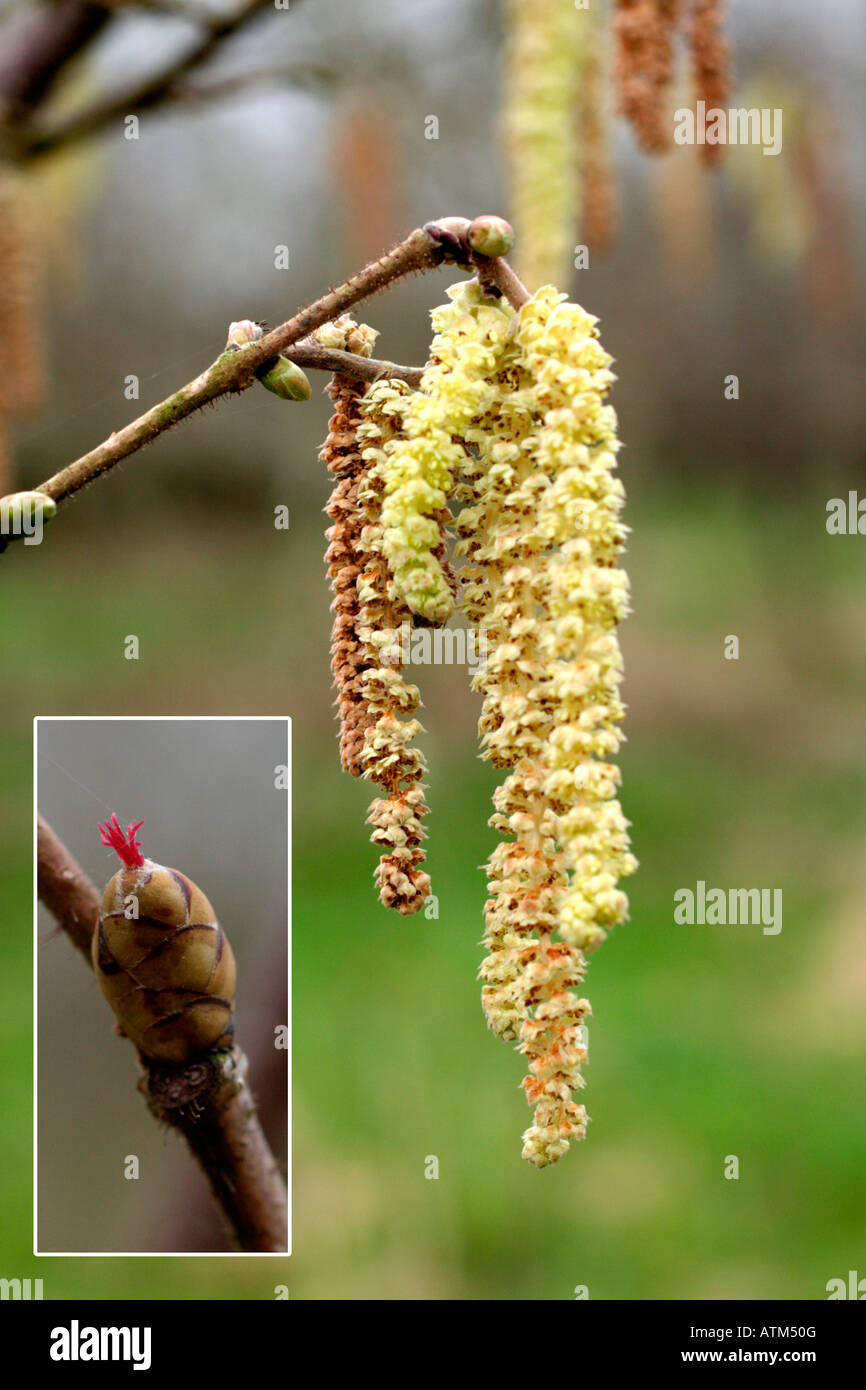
{"x": 167, "y": 1254}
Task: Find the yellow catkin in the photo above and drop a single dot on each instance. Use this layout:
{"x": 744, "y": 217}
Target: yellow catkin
{"x": 543, "y": 56}
{"x": 541, "y": 536}
{"x": 419, "y": 465}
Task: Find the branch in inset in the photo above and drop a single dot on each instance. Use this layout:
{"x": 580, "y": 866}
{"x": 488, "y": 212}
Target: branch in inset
{"x": 208, "y": 1100}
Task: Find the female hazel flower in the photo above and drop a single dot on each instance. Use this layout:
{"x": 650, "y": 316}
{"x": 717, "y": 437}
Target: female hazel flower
{"x": 161, "y": 957}
{"x": 342, "y": 455}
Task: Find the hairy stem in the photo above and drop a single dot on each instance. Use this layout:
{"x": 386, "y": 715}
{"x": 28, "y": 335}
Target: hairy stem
{"x": 350, "y": 364}
{"x": 223, "y": 1132}
{"x": 65, "y": 889}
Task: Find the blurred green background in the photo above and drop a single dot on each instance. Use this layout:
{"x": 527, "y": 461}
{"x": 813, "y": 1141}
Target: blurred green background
{"x": 705, "y": 1041}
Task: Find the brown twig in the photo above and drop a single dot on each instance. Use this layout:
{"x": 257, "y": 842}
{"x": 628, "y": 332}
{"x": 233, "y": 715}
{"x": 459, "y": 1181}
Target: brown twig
{"x": 235, "y": 370}
{"x": 303, "y": 77}
{"x": 497, "y": 272}
{"x": 65, "y": 889}
{"x": 368, "y": 369}
{"x": 208, "y": 1100}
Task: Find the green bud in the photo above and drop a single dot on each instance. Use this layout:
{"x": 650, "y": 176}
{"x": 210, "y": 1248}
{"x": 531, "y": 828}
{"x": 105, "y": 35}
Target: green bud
{"x": 243, "y": 332}
{"x": 25, "y": 514}
{"x": 31, "y": 504}
{"x": 287, "y": 380}
{"x": 489, "y": 235}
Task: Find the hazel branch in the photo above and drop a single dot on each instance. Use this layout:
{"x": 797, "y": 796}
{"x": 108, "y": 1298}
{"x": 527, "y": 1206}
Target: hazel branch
{"x": 447, "y": 241}
{"x": 235, "y": 370}
{"x": 36, "y": 50}
{"x": 209, "y": 1100}
{"x": 65, "y": 889}
{"x": 305, "y": 77}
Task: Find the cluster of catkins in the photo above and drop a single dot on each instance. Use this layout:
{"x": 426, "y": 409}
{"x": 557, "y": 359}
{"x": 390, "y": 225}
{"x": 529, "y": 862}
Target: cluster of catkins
{"x": 566, "y": 68}
{"x": 511, "y": 425}
{"x": 646, "y": 32}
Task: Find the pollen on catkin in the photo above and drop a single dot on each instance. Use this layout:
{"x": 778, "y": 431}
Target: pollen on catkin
{"x": 543, "y": 56}
{"x": 388, "y": 756}
{"x": 342, "y": 455}
{"x": 542, "y": 535}
{"x": 598, "y": 191}
{"x": 419, "y": 465}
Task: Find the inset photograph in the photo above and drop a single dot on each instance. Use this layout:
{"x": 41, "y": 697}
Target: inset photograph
{"x": 162, "y": 986}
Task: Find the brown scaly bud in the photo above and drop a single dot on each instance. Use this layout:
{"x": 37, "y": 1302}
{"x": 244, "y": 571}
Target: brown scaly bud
{"x": 161, "y": 957}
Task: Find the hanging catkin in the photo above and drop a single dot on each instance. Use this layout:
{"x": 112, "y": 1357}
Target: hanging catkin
{"x": 644, "y": 32}
{"x": 541, "y": 535}
{"x": 710, "y": 66}
{"x": 375, "y": 703}
{"x": 543, "y": 53}
{"x": 389, "y": 756}
{"x": 342, "y": 455}
{"x": 20, "y": 346}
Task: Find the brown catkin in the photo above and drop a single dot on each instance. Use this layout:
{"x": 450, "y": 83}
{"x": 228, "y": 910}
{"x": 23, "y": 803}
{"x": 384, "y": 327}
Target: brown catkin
{"x": 644, "y": 31}
{"x": 599, "y": 202}
{"x": 349, "y": 658}
{"x": 710, "y": 64}
{"x": 20, "y": 345}
{"x": 376, "y": 738}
